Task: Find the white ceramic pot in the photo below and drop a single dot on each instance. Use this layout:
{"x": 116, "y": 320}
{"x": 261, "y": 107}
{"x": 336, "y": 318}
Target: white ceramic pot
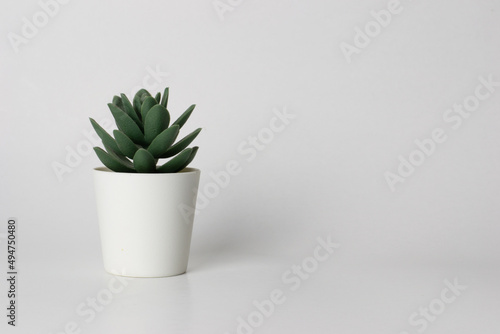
{"x": 144, "y": 231}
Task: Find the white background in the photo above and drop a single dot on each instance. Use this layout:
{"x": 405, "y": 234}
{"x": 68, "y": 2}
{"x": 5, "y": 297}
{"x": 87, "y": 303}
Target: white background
{"x": 321, "y": 176}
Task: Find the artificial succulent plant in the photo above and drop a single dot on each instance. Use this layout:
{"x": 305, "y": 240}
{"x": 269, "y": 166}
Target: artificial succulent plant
{"x": 145, "y": 135}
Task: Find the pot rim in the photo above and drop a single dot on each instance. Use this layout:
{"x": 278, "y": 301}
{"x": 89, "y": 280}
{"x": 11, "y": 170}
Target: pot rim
{"x": 187, "y": 170}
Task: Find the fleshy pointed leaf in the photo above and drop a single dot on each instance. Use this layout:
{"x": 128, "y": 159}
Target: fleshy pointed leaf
{"x": 158, "y": 97}
{"x": 184, "y": 117}
{"x": 144, "y": 162}
{"x": 181, "y": 144}
{"x": 148, "y": 103}
{"x": 127, "y": 124}
{"x": 117, "y": 101}
{"x": 139, "y": 98}
{"x": 129, "y": 109}
{"x": 163, "y": 141}
{"x": 174, "y": 164}
{"x": 112, "y": 162}
{"x": 191, "y": 157}
{"x": 157, "y": 120}
{"x": 125, "y": 144}
{"x": 164, "y": 99}
{"x": 109, "y": 143}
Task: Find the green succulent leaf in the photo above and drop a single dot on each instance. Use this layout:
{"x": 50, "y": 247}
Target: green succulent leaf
{"x": 148, "y": 103}
{"x": 157, "y": 120}
{"x": 112, "y": 162}
{"x": 144, "y": 135}
{"x": 109, "y": 143}
{"x": 117, "y": 101}
{"x": 181, "y": 144}
{"x": 126, "y": 124}
{"x": 184, "y": 117}
{"x": 144, "y": 162}
{"x": 176, "y": 163}
{"x": 139, "y": 98}
{"x": 191, "y": 157}
{"x": 163, "y": 141}
{"x": 129, "y": 109}
{"x": 164, "y": 99}
{"x": 125, "y": 144}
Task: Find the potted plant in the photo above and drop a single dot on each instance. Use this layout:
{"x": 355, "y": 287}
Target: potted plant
{"x": 143, "y": 231}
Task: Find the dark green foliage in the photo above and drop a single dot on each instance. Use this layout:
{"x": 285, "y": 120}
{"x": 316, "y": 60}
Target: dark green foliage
{"x": 191, "y": 157}
{"x": 109, "y": 143}
{"x": 177, "y": 163}
{"x": 112, "y": 162}
{"x": 129, "y": 109}
{"x": 163, "y": 141}
{"x": 184, "y": 117}
{"x": 144, "y": 161}
{"x": 139, "y": 98}
{"x": 126, "y": 124}
{"x": 164, "y": 99}
{"x": 125, "y": 144}
{"x": 148, "y": 103}
{"x": 181, "y": 144}
{"x": 117, "y": 101}
{"x": 144, "y": 136}
{"x": 156, "y": 121}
